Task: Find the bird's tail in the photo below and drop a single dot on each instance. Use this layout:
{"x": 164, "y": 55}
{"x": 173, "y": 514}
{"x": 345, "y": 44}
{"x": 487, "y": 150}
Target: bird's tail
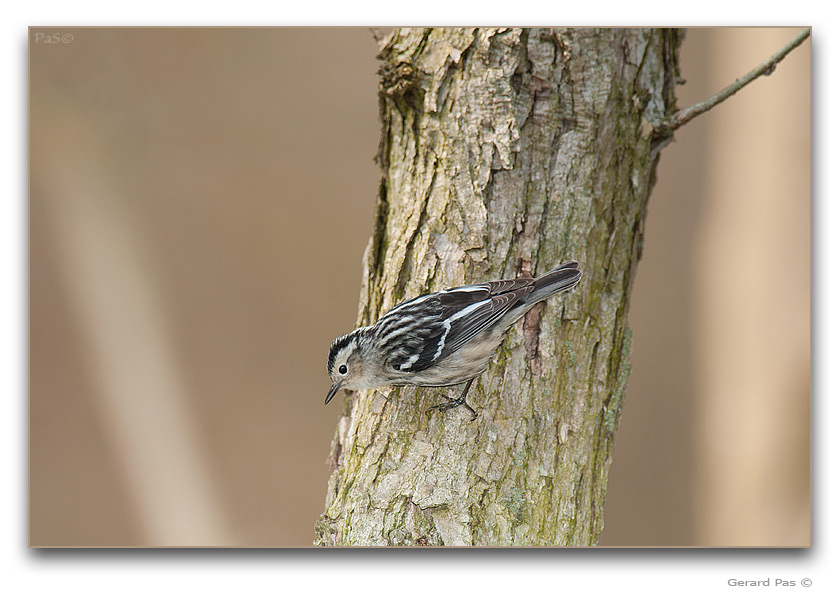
{"x": 562, "y": 278}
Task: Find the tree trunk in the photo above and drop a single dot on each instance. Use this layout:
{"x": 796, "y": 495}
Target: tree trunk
{"x": 504, "y": 152}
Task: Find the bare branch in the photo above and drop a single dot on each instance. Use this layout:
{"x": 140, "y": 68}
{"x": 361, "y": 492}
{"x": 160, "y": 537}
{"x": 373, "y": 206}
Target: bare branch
{"x": 683, "y": 116}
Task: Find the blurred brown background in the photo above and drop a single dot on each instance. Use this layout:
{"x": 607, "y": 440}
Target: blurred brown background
{"x": 199, "y": 203}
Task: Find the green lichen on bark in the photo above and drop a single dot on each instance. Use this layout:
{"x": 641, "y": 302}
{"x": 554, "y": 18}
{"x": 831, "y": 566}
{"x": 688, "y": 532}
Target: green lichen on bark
{"x": 504, "y": 152}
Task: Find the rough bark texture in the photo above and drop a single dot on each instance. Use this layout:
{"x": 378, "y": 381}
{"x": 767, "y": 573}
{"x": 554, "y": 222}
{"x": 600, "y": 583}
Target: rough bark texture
{"x": 505, "y": 152}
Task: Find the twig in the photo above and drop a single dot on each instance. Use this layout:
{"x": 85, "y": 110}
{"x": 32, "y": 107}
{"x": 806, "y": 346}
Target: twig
{"x": 683, "y": 116}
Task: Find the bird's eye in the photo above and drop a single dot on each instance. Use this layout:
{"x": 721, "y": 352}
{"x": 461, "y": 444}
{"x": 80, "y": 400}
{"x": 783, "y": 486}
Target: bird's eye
{"x": 342, "y": 370}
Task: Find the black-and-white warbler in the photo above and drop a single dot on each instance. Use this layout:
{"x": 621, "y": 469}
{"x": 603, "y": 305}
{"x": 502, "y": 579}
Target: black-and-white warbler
{"x": 440, "y": 339}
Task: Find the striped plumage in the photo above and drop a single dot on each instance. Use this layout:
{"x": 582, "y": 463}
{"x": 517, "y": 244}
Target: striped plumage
{"x": 439, "y": 339}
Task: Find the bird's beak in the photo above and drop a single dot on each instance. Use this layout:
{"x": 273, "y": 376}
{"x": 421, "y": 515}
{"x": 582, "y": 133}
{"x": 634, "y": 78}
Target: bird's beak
{"x": 335, "y": 388}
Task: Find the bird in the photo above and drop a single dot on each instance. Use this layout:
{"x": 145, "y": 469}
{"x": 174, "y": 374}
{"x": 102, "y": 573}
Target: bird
{"x": 440, "y": 339}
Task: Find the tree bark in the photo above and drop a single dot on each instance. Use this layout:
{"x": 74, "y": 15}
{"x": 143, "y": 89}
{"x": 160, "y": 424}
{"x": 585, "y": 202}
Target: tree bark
{"x": 504, "y": 152}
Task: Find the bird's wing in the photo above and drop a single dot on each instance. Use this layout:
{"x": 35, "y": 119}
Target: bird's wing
{"x": 444, "y": 322}
{"x": 462, "y": 320}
